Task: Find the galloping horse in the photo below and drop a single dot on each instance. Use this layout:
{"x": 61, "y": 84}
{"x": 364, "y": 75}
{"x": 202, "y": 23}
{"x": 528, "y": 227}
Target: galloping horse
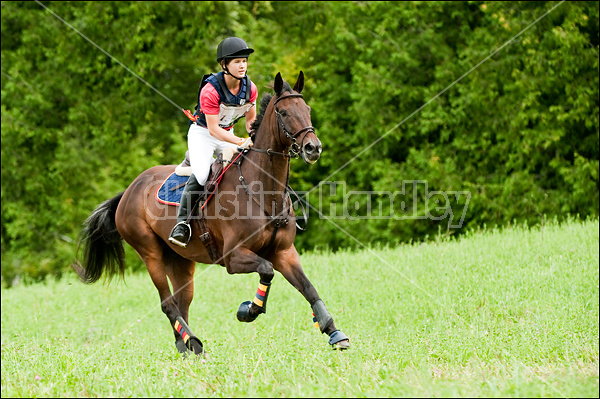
{"x": 249, "y": 235}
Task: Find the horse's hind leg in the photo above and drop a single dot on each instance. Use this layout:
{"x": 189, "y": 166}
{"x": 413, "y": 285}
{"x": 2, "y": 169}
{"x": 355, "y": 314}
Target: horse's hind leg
{"x": 157, "y": 256}
{"x": 181, "y": 273}
{"x": 288, "y": 264}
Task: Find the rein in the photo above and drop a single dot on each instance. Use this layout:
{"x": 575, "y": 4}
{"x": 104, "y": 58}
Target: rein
{"x": 269, "y": 151}
{"x": 294, "y": 152}
{"x": 218, "y": 180}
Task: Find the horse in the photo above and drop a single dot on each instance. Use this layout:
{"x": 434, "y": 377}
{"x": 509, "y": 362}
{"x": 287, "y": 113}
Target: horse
{"x": 249, "y": 235}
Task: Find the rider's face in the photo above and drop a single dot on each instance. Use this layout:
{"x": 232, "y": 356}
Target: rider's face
{"x": 238, "y": 66}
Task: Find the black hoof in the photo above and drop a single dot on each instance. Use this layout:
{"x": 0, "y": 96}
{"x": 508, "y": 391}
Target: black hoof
{"x": 243, "y": 313}
{"x": 195, "y": 346}
{"x": 181, "y": 347}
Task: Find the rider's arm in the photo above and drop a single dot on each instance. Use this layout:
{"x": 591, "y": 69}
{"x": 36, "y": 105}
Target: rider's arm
{"x": 250, "y": 117}
{"x": 212, "y": 122}
{"x": 251, "y": 114}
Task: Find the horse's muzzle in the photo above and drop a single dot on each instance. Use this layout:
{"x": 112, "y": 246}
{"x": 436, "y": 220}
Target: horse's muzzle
{"x": 311, "y": 150}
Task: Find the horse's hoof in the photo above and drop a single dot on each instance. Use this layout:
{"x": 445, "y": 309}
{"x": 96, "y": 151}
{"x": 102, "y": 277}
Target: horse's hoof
{"x": 195, "y": 345}
{"x": 181, "y": 347}
{"x": 243, "y": 313}
{"x": 339, "y": 341}
{"x": 342, "y": 345}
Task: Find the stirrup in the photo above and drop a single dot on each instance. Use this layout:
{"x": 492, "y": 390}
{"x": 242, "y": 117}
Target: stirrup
{"x": 176, "y": 241}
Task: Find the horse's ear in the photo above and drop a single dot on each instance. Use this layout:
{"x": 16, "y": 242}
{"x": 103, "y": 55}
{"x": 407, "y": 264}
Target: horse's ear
{"x": 278, "y": 86}
{"x": 300, "y": 83}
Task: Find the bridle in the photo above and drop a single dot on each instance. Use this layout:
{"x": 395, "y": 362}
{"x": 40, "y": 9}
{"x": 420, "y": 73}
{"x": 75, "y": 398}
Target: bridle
{"x": 295, "y": 148}
{"x": 294, "y": 151}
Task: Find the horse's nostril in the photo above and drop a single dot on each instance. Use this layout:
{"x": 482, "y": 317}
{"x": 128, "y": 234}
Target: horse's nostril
{"x": 309, "y": 148}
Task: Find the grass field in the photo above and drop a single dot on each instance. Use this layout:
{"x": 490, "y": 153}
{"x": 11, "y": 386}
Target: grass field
{"x": 510, "y": 312}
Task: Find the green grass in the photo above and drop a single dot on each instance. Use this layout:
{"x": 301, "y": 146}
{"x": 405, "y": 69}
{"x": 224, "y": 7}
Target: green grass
{"x": 494, "y": 314}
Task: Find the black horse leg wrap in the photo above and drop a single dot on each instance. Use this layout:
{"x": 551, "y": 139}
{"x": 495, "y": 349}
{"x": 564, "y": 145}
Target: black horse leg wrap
{"x": 322, "y": 315}
{"x": 183, "y": 329}
{"x": 189, "y": 339}
{"x": 262, "y": 293}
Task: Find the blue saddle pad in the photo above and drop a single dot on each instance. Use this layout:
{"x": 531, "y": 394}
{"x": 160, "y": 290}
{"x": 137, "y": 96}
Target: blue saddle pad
{"x": 170, "y": 191}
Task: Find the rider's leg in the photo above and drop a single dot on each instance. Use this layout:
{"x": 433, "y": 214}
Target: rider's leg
{"x": 201, "y": 148}
{"x": 181, "y": 233}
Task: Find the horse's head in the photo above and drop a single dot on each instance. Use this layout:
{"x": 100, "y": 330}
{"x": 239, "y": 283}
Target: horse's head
{"x": 293, "y": 117}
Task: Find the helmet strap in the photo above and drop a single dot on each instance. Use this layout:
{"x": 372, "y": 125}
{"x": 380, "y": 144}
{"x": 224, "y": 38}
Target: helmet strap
{"x": 226, "y": 72}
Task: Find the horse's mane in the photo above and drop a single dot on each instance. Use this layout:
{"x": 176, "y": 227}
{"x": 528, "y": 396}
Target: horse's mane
{"x": 264, "y": 103}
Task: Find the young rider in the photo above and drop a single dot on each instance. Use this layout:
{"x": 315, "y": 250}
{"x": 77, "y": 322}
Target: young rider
{"x": 226, "y": 97}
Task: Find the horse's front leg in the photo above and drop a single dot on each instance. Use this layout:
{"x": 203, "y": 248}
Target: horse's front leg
{"x": 243, "y": 260}
{"x": 287, "y": 262}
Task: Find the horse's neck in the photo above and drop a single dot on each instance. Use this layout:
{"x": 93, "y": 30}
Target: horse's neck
{"x": 270, "y": 170}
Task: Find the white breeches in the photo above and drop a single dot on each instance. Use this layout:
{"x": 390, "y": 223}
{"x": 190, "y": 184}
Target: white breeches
{"x": 203, "y": 147}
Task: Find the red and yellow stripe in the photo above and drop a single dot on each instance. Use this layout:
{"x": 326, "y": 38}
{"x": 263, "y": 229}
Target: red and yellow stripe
{"x": 181, "y": 331}
{"x": 261, "y": 294}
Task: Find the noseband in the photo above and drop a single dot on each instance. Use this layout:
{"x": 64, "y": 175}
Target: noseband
{"x": 295, "y": 149}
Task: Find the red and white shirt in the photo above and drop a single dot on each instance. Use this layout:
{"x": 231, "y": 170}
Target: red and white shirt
{"x": 211, "y": 104}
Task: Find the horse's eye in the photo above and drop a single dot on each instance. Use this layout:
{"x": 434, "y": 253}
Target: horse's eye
{"x": 283, "y": 113}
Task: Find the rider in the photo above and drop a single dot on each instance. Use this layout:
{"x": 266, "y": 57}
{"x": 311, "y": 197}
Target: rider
{"x": 220, "y": 105}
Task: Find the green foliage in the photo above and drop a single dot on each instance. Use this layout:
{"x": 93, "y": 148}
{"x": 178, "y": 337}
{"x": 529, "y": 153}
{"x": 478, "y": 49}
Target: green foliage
{"x": 519, "y": 132}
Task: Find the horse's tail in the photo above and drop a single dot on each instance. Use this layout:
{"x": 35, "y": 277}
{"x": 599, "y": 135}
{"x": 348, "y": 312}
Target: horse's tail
{"x": 102, "y": 244}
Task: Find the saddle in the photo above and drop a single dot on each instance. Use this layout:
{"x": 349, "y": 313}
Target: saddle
{"x": 215, "y": 172}
{"x": 216, "y": 169}
{"x": 185, "y": 167}
{"x": 214, "y": 178}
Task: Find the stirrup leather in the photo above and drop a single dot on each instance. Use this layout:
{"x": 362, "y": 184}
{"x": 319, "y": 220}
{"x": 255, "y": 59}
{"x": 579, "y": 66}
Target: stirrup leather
{"x": 176, "y": 241}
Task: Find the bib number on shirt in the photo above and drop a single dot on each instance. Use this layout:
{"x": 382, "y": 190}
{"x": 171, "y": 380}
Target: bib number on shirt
{"x": 229, "y": 114}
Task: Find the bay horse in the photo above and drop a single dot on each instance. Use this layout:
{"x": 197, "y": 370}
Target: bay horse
{"x": 250, "y": 236}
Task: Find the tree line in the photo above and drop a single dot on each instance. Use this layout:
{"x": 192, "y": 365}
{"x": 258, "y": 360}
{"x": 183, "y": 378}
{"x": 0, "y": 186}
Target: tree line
{"x": 414, "y": 102}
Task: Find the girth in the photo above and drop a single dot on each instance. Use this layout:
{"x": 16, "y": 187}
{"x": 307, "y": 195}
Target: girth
{"x": 207, "y": 238}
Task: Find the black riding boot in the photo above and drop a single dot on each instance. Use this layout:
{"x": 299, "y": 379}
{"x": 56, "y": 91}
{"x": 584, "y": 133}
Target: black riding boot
{"x": 182, "y": 232}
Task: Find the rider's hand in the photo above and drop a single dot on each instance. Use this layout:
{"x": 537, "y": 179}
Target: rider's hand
{"x": 245, "y": 143}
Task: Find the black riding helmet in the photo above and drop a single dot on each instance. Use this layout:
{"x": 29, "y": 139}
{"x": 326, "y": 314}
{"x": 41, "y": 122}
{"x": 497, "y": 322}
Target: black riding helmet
{"x": 233, "y": 47}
